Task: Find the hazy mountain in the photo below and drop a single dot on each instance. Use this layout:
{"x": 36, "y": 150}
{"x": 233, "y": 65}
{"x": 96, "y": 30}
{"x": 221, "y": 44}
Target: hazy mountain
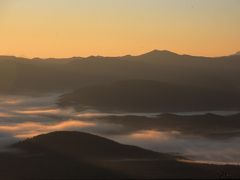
{"x": 150, "y": 96}
{"x": 18, "y": 75}
{"x": 209, "y": 126}
{"x": 75, "y": 155}
{"x": 237, "y": 53}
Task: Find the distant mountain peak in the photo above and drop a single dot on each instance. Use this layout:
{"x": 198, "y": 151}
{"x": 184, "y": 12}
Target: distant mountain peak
{"x": 157, "y": 52}
{"x": 237, "y": 53}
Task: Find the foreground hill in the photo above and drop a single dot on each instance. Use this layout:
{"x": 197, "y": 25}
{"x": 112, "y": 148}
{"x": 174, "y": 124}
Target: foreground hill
{"x": 150, "y": 96}
{"x": 20, "y": 75}
{"x": 75, "y": 155}
{"x": 86, "y": 146}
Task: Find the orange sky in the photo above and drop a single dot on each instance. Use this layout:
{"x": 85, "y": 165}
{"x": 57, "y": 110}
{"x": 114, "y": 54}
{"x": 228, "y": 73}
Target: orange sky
{"x": 65, "y": 28}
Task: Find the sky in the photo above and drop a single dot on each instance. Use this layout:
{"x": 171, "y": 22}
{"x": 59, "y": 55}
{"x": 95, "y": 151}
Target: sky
{"x": 66, "y": 28}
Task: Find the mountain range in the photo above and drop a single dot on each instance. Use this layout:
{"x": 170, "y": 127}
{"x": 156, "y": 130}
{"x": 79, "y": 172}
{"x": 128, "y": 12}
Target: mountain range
{"x": 21, "y": 75}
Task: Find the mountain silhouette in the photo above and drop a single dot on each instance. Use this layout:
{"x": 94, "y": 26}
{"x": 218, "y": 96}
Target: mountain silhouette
{"x": 158, "y": 54}
{"x": 76, "y": 155}
{"x": 150, "y": 96}
{"x": 86, "y": 146}
{"x": 237, "y": 53}
{"x": 21, "y": 75}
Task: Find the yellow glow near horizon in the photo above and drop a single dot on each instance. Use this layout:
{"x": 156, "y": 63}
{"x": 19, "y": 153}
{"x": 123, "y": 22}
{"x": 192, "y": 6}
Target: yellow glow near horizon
{"x": 65, "y": 28}
{"x": 30, "y": 129}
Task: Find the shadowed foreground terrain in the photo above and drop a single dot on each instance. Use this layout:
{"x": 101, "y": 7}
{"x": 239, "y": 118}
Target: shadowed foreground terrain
{"x": 75, "y": 155}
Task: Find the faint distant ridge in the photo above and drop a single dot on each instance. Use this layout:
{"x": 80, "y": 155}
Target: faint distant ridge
{"x": 237, "y": 53}
{"x": 156, "y": 53}
{"x": 152, "y": 54}
{"x": 21, "y": 75}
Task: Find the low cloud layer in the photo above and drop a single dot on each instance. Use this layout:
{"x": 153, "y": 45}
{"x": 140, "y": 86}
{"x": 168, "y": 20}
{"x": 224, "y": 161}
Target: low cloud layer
{"x": 23, "y": 117}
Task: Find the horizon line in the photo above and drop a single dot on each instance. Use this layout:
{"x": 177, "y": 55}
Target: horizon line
{"x": 117, "y": 56}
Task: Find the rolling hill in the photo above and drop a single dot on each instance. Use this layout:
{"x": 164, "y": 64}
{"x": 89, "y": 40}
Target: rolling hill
{"x": 76, "y": 155}
{"x": 150, "y": 96}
